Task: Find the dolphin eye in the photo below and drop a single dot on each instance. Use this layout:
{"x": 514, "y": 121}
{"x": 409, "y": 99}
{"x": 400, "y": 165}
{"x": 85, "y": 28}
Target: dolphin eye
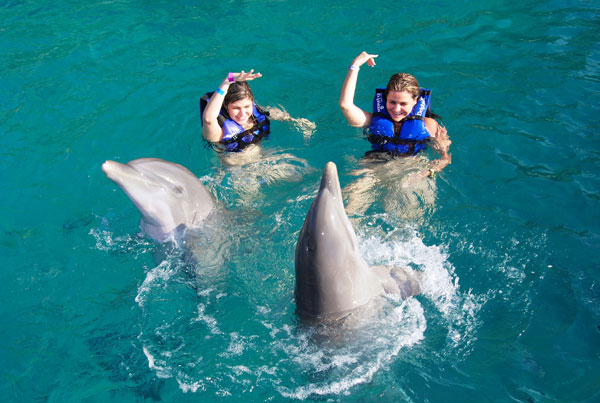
{"x": 178, "y": 190}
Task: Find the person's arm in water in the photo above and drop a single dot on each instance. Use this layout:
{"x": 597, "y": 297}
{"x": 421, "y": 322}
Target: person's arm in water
{"x": 355, "y": 116}
{"x": 211, "y": 130}
{"x": 279, "y": 113}
{"x": 440, "y": 143}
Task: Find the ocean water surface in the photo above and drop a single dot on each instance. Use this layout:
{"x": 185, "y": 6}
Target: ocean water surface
{"x": 507, "y": 237}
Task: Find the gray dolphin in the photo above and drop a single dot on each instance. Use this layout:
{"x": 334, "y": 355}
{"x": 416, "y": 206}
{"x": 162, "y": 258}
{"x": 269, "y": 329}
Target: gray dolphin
{"x": 168, "y": 195}
{"x": 332, "y": 279}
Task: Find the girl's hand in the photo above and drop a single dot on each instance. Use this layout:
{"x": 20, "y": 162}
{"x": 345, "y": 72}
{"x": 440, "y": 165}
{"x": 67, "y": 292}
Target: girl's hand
{"x": 441, "y": 141}
{"x": 243, "y": 76}
{"x": 365, "y": 57}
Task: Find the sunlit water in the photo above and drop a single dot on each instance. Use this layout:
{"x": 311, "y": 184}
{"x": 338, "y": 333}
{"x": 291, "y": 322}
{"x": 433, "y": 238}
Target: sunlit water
{"x": 506, "y": 238}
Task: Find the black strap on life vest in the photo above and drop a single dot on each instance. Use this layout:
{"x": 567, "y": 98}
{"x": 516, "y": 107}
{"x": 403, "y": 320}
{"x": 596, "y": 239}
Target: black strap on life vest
{"x": 258, "y": 131}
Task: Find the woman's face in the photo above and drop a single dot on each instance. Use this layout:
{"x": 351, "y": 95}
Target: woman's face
{"x": 240, "y": 110}
{"x": 399, "y": 104}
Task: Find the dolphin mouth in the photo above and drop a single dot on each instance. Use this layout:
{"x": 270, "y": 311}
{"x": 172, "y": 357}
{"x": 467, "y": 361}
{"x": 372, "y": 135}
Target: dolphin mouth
{"x": 128, "y": 177}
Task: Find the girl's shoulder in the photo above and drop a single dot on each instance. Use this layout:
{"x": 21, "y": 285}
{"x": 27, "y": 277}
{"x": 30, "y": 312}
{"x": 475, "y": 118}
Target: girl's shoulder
{"x": 432, "y": 126}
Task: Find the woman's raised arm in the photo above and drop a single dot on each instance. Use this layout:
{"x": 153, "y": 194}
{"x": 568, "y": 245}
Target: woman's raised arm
{"x": 354, "y": 115}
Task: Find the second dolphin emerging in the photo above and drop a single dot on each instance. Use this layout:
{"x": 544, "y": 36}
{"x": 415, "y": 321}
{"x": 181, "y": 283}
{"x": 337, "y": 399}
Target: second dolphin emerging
{"x": 332, "y": 279}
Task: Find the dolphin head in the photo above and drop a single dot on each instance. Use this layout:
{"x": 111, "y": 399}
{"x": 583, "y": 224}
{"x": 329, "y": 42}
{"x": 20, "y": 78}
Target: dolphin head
{"x": 331, "y": 276}
{"x": 167, "y": 195}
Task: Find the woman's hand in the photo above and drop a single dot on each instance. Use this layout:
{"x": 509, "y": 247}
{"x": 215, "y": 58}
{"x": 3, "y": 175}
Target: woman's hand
{"x": 243, "y": 76}
{"x": 304, "y": 125}
{"x": 441, "y": 142}
{"x": 364, "y": 57}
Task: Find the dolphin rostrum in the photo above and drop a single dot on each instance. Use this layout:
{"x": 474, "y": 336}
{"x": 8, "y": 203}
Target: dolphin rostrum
{"x": 332, "y": 279}
{"x": 168, "y": 195}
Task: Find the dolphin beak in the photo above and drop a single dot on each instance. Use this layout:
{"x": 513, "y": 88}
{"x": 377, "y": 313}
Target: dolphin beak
{"x": 109, "y": 168}
{"x": 115, "y": 171}
{"x": 330, "y": 180}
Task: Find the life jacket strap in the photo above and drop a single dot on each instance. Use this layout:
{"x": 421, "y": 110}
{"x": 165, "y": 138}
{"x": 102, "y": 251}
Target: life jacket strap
{"x": 381, "y": 139}
{"x": 258, "y": 127}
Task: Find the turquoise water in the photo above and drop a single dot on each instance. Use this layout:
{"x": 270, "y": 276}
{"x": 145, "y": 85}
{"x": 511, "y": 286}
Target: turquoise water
{"x": 92, "y": 311}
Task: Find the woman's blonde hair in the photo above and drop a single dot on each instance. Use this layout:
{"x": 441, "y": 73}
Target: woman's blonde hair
{"x": 403, "y": 82}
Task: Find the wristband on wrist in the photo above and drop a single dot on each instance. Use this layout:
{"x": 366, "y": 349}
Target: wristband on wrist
{"x": 220, "y": 91}
{"x": 230, "y": 77}
{"x": 354, "y": 67}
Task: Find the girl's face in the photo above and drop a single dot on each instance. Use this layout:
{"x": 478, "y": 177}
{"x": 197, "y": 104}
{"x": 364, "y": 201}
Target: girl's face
{"x": 240, "y": 110}
{"x": 399, "y": 104}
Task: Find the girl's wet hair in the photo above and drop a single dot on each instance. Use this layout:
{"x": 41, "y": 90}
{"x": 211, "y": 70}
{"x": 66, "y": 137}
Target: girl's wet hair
{"x": 237, "y": 91}
{"x": 403, "y": 82}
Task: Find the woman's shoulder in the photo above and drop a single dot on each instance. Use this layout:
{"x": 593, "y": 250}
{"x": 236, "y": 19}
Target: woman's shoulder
{"x": 432, "y": 126}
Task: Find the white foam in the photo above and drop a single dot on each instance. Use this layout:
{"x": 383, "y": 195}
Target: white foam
{"x": 162, "y": 371}
{"x": 186, "y": 385}
{"x": 439, "y": 283}
{"x": 208, "y": 320}
{"x": 106, "y": 241}
{"x": 155, "y": 277}
{"x": 236, "y": 347}
{"x": 292, "y": 352}
{"x": 358, "y": 362}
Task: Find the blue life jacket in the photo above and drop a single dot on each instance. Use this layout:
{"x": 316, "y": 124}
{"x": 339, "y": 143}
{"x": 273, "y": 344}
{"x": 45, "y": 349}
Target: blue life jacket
{"x": 413, "y": 134}
{"x": 235, "y": 137}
